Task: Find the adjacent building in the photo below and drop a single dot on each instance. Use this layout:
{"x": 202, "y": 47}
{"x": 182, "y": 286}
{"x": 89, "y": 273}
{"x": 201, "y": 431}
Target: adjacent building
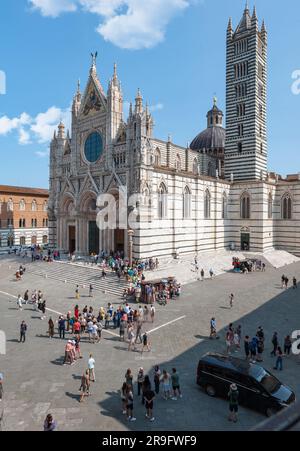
{"x": 213, "y": 194}
{"x": 23, "y": 216}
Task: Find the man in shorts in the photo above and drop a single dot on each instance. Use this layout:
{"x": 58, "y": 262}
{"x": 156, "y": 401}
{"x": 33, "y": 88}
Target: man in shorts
{"x": 175, "y": 385}
{"x": 233, "y": 403}
{"x": 91, "y": 366}
{"x": 145, "y": 342}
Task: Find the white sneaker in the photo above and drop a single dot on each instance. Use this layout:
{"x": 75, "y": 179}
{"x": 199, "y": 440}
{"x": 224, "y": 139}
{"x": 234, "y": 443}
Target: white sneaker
{"x": 152, "y": 419}
{"x": 132, "y": 419}
{"x": 174, "y": 398}
{"x": 124, "y": 412}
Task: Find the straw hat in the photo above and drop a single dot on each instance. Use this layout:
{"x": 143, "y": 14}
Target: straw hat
{"x": 233, "y": 387}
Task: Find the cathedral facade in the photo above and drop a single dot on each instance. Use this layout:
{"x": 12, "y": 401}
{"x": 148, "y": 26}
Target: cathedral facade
{"x": 214, "y": 194}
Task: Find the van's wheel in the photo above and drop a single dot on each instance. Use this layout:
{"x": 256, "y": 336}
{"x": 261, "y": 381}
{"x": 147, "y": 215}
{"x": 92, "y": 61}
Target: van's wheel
{"x": 210, "y": 390}
{"x": 270, "y": 412}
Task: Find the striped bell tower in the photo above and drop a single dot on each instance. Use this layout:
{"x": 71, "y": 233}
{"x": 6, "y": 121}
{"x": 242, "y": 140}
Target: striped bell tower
{"x": 246, "y": 100}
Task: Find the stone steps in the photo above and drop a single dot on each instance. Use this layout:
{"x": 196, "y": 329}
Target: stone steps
{"x": 81, "y": 275}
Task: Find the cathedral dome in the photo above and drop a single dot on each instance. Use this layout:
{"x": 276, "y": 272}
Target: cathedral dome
{"x": 211, "y": 138}
{"x": 214, "y": 136}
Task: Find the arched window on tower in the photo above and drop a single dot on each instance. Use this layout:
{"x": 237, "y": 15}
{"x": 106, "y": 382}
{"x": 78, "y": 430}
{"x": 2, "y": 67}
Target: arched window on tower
{"x": 270, "y": 206}
{"x": 207, "y": 204}
{"x": 245, "y": 206}
{"x": 162, "y": 201}
{"x": 187, "y": 203}
{"x": 286, "y": 206}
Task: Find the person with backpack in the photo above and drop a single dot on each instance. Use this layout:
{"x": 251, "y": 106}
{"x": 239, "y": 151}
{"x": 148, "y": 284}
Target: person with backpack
{"x": 233, "y": 396}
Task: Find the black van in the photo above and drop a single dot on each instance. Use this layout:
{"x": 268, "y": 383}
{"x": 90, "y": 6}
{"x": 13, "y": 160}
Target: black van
{"x": 258, "y": 389}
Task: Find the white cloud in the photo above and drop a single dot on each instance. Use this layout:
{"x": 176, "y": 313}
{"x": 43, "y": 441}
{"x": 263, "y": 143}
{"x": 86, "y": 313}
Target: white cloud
{"x": 37, "y": 129}
{"x": 157, "y": 107}
{"x": 42, "y": 153}
{"x": 53, "y": 8}
{"x": 129, "y": 24}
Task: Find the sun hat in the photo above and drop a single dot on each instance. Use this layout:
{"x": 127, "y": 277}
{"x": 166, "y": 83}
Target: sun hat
{"x": 233, "y": 387}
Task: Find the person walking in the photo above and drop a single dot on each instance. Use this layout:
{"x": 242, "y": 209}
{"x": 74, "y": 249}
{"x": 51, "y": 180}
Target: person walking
{"x": 274, "y": 343}
{"x": 253, "y": 349}
{"x": 62, "y": 327}
{"x": 140, "y": 380}
{"x": 146, "y": 343}
{"x": 85, "y": 385}
{"x": 279, "y": 355}
{"x": 165, "y": 380}
{"x": 91, "y": 291}
{"x": 50, "y": 424}
{"x": 202, "y": 275}
{"x": 287, "y": 345}
{"x": 213, "y": 329}
{"x": 123, "y": 398}
{"x": 247, "y": 346}
{"x": 20, "y": 302}
{"x": 91, "y": 367}
{"x": 26, "y": 296}
{"x": 129, "y": 403}
{"x": 152, "y": 313}
{"x": 231, "y": 298}
{"x": 260, "y": 350}
{"x": 131, "y": 339}
{"x": 175, "y": 385}
{"x": 295, "y": 286}
{"x": 77, "y": 295}
{"x": 23, "y": 330}
{"x": 51, "y": 328}
{"x": 233, "y": 396}
{"x": 157, "y": 375}
{"x": 211, "y": 273}
{"x": 129, "y": 377}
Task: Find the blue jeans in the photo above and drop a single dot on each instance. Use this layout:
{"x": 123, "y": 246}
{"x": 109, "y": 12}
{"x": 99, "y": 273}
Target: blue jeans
{"x": 279, "y": 363}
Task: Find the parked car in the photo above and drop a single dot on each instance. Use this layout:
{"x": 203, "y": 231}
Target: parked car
{"x": 258, "y": 388}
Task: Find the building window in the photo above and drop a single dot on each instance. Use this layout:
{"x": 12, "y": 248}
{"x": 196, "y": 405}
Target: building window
{"x": 22, "y": 241}
{"x": 22, "y": 223}
{"x": 33, "y": 240}
{"x": 10, "y": 205}
{"x": 10, "y": 222}
{"x": 93, "y": 147}
{"x": 45, "y": 206}
{"x": 34, "y": 206}
{"x": 195, "y": 167}
{"x": 10, "y": 241}
{"x": 34, "y": 223}
{"x": 162, "y": 202}
{"x": 245, "y": 206}
{"x": 240, "y": 147}
{"x": 270, "y": 206}
{"x": 286, "y": 207}
{"x": 224, "y": 206}
{"x": 207, "y": 204}
{"x": 187, "y": 201}
{"x": 22, "y": 206}
{"x": 178, "y": 163}
{"x": 45, "y": 239}
{"x": 240, "y": 130}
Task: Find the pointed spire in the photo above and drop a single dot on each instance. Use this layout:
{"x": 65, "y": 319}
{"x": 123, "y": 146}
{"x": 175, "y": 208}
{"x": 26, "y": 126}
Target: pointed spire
{"x": 254, "y": 15}
{"x": 247, "y": 6}
{"x": 130, "y": 109}
{"x": 139, "y": 102}
{"x": 263, "y": 27}
{"x": 229, "y": 28}
{"x": 61, "y": 130}
{"x": 115, "y": 71}
{"x": 245, "y": 22}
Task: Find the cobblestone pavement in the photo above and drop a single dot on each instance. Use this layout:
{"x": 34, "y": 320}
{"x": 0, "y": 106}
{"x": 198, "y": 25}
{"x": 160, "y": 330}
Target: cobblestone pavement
{"x": 36, "y": 383}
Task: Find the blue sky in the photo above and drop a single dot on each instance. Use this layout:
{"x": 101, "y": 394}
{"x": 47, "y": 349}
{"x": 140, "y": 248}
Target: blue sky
{"x": 174, "y": 51}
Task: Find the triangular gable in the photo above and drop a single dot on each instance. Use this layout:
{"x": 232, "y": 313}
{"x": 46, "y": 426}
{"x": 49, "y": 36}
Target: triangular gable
{"x": 89, "y": 184}
{"x": 94, "y": 99}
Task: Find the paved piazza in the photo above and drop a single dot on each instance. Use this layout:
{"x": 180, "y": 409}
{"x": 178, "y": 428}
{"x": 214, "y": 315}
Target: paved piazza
{"x": 36, "y": 382}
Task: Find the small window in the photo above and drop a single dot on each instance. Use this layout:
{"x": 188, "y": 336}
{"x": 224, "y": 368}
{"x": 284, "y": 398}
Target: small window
{"x": 286, "y": 207}
{"x": 34, "y": 206}
{"x": 207, "y": 204}
{"x": 187, "y": 201}
{"x": 245, "y": 206}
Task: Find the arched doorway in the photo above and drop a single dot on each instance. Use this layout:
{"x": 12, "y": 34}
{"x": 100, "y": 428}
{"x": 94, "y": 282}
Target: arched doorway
{"x": 88, "y": 210}
{"x": 67, "y": 226}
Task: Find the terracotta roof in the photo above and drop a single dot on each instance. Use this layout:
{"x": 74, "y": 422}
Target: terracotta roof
{"x": 20, "y": 190}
